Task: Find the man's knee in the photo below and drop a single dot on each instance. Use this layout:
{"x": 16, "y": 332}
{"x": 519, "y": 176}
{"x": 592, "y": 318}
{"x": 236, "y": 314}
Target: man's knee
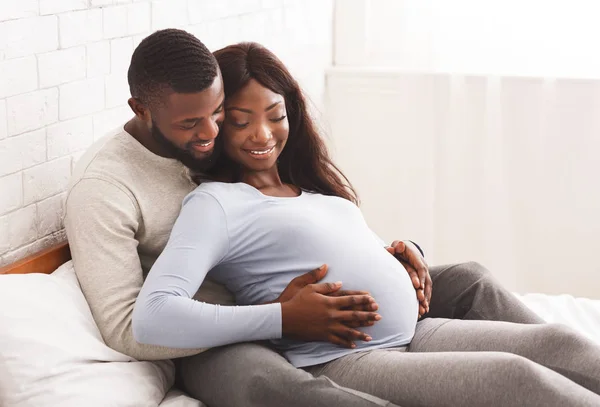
{"x": 470, "y": 273}
{"x": 476, "y": 270}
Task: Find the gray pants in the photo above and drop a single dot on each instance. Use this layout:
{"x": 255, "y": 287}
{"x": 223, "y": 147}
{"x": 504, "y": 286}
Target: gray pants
{"x": 477, "y": 363}
{"x": 251, "y": 375}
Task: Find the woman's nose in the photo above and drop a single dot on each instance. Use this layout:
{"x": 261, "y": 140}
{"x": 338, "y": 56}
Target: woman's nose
{"x": 263, "y": 134}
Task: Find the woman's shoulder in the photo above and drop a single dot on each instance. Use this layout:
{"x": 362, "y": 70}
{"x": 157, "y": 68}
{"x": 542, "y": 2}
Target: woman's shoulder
{"x": 223, "y": 192}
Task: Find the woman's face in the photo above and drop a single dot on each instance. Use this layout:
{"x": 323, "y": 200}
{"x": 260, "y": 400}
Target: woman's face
{"x": 256, "y": 127}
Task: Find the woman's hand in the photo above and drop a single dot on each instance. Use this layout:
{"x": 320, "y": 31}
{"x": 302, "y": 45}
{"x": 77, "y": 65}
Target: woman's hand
{"x": 416, "y": 266}
{"x": 313, "y": 277}
{"x": 314, "y": 313}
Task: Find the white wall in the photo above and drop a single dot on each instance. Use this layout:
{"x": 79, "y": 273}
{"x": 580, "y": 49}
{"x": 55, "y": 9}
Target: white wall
{"x": 477, "y": 153}
{"x": 63, "y": 84}
{"x": 486, "y": 37}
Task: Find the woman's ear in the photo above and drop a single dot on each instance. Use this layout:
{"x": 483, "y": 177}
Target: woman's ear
{"x": 139, "y": 109}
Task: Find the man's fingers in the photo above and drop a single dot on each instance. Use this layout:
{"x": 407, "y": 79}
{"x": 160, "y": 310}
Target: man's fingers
{"x": 414, "y": 277}
{"x": 399, "y": 246}
{"x": 344, "y": 343}
{"x": 428, "y": 290}
{"x": 412, "y": 273}
{"x": 422, "y": 310}
{"x": 420, "y": 295}
{"x": 423, "y": 275}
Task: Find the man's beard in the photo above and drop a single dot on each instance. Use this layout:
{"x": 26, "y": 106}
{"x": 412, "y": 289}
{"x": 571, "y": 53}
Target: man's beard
{"x": 185, "y": 154}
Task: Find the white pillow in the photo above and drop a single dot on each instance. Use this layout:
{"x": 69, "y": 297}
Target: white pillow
{"x": 52, "y": 353}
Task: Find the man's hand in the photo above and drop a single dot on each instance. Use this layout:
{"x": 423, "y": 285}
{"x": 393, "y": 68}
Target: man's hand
{"x": 313, "y": 314}
{"x": 410, "y": 257}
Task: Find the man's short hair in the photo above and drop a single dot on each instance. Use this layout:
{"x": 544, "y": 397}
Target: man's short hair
{"x": 170, "y": 59}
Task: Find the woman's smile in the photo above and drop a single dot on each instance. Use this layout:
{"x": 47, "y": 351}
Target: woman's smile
{"x": 263, "y": 153}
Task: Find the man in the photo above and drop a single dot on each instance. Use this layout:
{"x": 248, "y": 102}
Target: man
{"x": 125, "y": 195}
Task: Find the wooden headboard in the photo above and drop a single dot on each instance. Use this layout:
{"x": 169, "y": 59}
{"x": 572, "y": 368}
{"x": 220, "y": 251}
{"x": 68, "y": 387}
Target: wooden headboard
{"x": 45, "y": 261}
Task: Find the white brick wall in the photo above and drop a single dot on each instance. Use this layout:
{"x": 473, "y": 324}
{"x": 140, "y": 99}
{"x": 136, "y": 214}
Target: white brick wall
{"x": 18, "y": 9}
{"x": 63, "y": 84}
{"x": 46, "y": 180}
{"x": 28, "y": 36}
{"x": 62, "y": 66}
{"x": 31, "y": 110}
{"x": 18, "y": 76}
{"x": 80, "y": 27}
{"x": 3, "y": 126}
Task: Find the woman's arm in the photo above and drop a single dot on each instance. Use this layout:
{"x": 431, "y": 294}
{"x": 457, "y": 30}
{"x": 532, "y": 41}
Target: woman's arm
{"x": 166, "y": 314}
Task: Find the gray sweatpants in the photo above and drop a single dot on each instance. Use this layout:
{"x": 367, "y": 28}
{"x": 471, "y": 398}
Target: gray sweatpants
{"x": 252, "y": 375}
{"x": 477, "y": 363}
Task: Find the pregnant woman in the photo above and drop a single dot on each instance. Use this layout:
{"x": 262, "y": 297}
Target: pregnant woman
{"x": 282, "y": 191}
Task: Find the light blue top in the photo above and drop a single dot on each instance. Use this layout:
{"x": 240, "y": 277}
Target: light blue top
{"x": 255, "y": 245}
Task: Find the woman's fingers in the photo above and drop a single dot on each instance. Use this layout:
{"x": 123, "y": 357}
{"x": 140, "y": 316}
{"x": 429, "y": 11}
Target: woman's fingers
{"x": 353, "y": 316}
{"x": 358, "y": 324}
{"x": 352, "y": 301}
{"x": 345, "y": 293}
{"x": 344, "y": 343}
{"x": 350, "y": 335}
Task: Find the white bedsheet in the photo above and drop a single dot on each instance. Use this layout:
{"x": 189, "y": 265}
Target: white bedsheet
{"x": 582, "y": 314}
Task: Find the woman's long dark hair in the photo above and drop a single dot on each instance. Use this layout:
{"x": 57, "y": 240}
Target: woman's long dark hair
{"x": 304, "y": 162}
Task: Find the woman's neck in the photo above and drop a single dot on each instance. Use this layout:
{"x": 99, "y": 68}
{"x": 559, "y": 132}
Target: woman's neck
{"x": 260, "y": 179}
{"x": 268, "y": 182}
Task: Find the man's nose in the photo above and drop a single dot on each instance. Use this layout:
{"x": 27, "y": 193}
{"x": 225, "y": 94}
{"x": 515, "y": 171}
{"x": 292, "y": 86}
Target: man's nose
{"x": 210, "y": 130}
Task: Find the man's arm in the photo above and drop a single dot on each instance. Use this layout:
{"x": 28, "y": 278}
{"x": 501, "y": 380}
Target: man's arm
{"x": 101, "y": 221}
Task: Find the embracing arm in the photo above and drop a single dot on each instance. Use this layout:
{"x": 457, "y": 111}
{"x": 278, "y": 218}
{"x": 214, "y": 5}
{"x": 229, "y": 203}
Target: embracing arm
{"x": 166, "y": 314}
{"x": 101, "y": 221}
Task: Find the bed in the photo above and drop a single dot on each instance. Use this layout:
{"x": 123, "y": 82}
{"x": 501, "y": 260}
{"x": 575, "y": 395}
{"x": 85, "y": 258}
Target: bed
{"x": 54, "y": 354}
{"x": 51, "y": 352}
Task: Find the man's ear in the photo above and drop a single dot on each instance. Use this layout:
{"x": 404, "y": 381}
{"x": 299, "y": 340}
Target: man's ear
{"x": 140, "y": 109}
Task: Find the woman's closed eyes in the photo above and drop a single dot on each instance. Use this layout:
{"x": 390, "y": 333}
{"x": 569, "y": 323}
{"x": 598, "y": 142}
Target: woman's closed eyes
{"x": 242, "y": 124}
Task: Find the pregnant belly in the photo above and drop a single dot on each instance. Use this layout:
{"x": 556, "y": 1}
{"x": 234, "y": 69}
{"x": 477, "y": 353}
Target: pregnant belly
{"x": 398, "y": 306}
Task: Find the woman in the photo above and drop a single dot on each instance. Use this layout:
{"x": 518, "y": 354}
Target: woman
{"x": 283, "y": 191}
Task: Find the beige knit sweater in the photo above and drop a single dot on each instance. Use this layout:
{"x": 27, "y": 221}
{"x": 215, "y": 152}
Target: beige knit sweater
{"x": 120, "y": 208}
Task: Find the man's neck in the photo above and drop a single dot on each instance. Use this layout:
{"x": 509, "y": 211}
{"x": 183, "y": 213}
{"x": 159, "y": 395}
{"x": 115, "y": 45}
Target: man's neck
{"x": 139, "y": 131}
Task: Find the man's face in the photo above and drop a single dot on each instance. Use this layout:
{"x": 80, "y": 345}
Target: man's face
{"x": 187, "y": 125}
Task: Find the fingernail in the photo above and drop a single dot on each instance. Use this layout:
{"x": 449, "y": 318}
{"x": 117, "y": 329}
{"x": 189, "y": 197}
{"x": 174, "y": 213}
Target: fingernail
{"x": 352, "y": 345}
{"x": 322, "y": 267}
{"x": 368, "y": 338}
{"x": 377, "y": 317}
{"x": 338, "y": 283}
